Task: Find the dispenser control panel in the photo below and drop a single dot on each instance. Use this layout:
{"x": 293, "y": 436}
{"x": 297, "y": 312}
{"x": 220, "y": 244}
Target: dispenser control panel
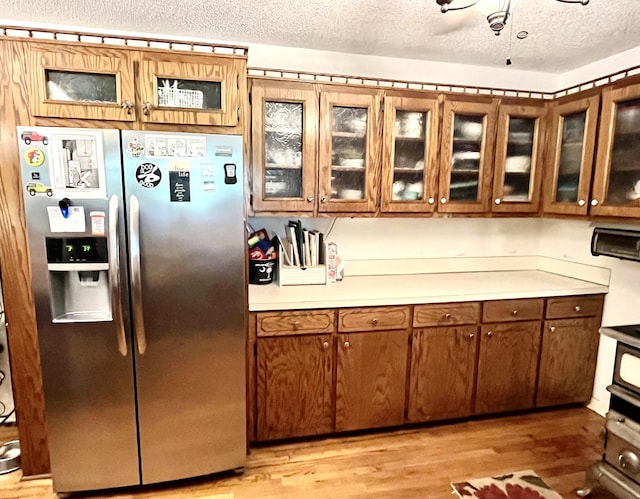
{"x": 77, "y": 250}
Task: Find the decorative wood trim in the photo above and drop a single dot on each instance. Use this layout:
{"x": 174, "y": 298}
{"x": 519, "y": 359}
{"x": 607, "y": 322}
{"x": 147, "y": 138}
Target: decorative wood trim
{"x": 122, "y": 40}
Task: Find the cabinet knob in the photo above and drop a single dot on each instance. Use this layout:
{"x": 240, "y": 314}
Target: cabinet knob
{"x": 127, "y": 105}
{"x": 498, "y": 201}
{"x": 147, "y": 108}
{"x": 582, "y": 202}
{"x": 514, "y": 312}
{"x": 310, "y": 199}
{"x": 374, "y": 321}
{"x": 347, "y": 344}
{"x": 552, "y": 328}
{"x": 443, "y": 200}
{"x": 446, "y": 316}
{"x": 431, "y": 200}
{"x": 594, "y": 202}
{"x": 295, "y": 325}
{"x": 471, "y": 335}
{"x": 490, "y": 334}
{"x": 323, "y": 199}
{"x": 325, "y": 344}
{"x": 577, "y": 308}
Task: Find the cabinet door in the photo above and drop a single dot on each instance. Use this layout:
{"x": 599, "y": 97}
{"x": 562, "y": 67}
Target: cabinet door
{"x": 409, "y": 158}
{"x": 570, "y": 158}
{"x": 371, "y": 379}
{"x": 616, "y": 186}
{"x": 294, "y": 386}
{"x": 349, "y": 156}
{"x": 468, "y": 139}
{"x": 507, "y": 366}
{"x": 567, "y": 361}
{"x": 190, "y": 89}
{"x": 442, "y": 374}
{"x": 284, "y": 135}
{"x": 519, "y": 158}
{"x": 81, "y": 81}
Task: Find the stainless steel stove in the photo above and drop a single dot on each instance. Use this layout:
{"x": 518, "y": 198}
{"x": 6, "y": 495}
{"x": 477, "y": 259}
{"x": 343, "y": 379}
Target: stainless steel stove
{"x": 619, "y": 470}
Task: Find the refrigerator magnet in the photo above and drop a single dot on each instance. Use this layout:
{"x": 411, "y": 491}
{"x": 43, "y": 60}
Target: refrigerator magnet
{"x": 179, "y": 181}
{"x": 230, "y": 173}
{"x": 148, "y": 175}
{"x": 34, "y": 156}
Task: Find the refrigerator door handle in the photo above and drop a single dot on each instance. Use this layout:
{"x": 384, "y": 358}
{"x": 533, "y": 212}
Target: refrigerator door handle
{"x": 114, "y": 275}
{"x": 136, "y": 281}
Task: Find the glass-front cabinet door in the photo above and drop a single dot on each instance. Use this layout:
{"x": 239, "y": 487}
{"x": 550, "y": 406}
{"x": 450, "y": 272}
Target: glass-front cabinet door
{"x": 573, "y": 125}
{"x": 616, "y": 187}
{"x": 349, "y": 172}
{"x": 81, "y": 82}
{"x": 409, "y": 156}
{"x": 284, "y": 146}
{"x": 518, "y": 160}
{"x": 468, "y": 138}
{"x": 190, "y": 89}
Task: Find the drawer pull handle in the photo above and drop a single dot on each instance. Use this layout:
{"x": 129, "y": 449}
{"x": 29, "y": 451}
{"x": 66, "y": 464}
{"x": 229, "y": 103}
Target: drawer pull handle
{"x": 295, "y": 325}
{"x": 489, "y": 334}
{"x": 374, "y": 321}
{"x": 514, "y": 313}
{"x": 447, "y": 316}
{"x": 347, "y": 344}
{"x": 325, "y": 344}
{"x": 577, "y": 308}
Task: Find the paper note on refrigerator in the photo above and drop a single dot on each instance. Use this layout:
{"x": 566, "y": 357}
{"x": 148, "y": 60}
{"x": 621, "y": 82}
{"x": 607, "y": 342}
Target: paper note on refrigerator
{"x": 75, "y": 222}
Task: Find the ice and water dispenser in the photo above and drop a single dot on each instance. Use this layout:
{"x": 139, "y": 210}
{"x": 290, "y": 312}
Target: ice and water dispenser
{"x": 79, "y": 279}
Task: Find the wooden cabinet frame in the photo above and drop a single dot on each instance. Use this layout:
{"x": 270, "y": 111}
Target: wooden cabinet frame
{"x": 558, "y": 110}
{"x": 507, "y": 111}
{"x": 362, "y": 99}
{"x": 304, "y": 94}
{"x": 611, "y": 97}
{"x": 487, "y": 108}
{"x": 431, "y": 106}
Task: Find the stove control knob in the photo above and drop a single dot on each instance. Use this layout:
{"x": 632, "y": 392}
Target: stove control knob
{"x": 629, "y": 461}
{"x": 621, "y": 419}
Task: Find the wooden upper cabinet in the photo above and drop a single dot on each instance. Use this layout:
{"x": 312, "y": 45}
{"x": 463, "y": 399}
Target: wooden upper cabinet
{"x": 616, "y": 186}
{"x": 190, "y": 89}
{"x": 349, "y": 170}
{"x": 518, "y": 158}
{"x": 410, "y": 154}
{"x": 81, "y": 81}
{"x": 284, "y": 144}
{"x": 468, "y": 139}
{"x": 573, "y": 124}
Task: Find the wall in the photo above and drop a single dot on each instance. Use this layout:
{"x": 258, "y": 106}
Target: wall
{"x": 613, "y": 64}
{"x": 570, "y": 240}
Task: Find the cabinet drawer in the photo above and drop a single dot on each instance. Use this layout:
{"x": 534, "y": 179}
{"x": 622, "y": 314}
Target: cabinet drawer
{"x": 371, "y": 319}
{"x": 444, "y": 314}
{"x": 300, "y": 322}
{"x": 574, "y": 306}
{"x": 513, "y": 310}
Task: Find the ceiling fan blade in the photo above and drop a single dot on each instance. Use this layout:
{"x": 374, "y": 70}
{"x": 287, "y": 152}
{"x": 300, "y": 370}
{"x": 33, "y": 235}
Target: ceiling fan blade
{"x": 453, "y": 21}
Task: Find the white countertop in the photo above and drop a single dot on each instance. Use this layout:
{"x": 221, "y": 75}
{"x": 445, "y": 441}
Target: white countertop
{"x": 363, "y": 291}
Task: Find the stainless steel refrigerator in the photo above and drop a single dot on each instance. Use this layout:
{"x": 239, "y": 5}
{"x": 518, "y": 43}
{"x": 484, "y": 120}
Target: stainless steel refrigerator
{"x": 137, "y": 250}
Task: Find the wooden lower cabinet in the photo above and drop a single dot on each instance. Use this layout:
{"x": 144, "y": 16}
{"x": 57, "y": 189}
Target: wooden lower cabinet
{"x": 294, "y": 386}
{"x": 567, "y": 361}
{"x": 442, "y": 376}
{"x": 507, "y": 365}
{"x": 370, "y": 379}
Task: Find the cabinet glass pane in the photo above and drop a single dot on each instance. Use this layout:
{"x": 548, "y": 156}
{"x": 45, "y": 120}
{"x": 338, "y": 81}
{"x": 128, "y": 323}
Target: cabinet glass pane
{"x": 408, "y": 158}
{"x": 465, "y": 161}
{"x": 517, "y": 167}
{"x": 624, "y": 176}
{"x": 348, "y": 152}
{"x": 573, "y": 128}
{"x": 190, "y": 94}
{"x": 283, "y": 149}
{"x": 81, "y": 87}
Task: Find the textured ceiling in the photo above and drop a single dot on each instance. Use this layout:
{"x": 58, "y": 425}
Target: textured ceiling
{"x": 561, "y": 36}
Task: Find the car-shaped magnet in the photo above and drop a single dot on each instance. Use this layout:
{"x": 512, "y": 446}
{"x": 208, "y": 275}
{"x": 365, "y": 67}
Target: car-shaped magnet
{"x": 29, "y": 137}
{"x": 34, "y": 188}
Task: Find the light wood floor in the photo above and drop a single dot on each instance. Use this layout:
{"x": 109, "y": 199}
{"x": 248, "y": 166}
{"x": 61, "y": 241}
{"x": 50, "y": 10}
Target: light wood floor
{"x": 410, "y": 463}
